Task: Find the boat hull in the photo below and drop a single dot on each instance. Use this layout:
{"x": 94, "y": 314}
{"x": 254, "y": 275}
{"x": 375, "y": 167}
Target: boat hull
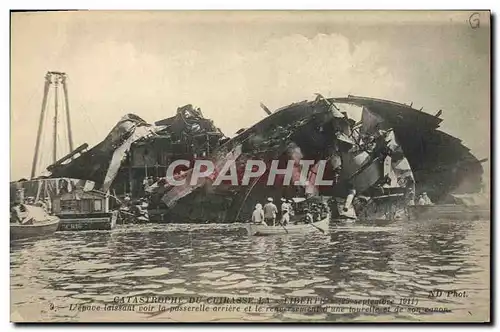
{"x": 88, "y": 222}
{"x": 262, "y": 230}
{"x": 39, "y": 229}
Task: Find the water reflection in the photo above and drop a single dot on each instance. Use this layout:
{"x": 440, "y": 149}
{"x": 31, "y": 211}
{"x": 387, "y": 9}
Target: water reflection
{"x": 358, "y": 261}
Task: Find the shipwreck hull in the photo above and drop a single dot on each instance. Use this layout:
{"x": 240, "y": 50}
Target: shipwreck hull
{"x": 441, "y": 164}
{"x": 94, "y": 164}
{"x": 307, "y": 130}
{"x": 429, "y": 160}
{"x": 407, "y": 140}
{"x": 135, "y": 149}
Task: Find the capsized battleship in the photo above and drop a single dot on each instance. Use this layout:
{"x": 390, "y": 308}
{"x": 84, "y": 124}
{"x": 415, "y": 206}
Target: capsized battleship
{"x": 377, "y": 164}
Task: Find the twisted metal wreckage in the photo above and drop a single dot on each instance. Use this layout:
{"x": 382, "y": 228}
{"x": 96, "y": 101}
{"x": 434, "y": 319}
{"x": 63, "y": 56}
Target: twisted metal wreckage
{"x": 378, "y": 164}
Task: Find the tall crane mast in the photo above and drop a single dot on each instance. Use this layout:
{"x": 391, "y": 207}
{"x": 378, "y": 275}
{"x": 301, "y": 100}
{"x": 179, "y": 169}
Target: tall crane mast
{"x": 53, "y": 79}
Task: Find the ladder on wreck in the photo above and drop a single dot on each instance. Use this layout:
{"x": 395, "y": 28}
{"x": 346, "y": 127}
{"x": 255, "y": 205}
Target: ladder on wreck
{"x": 53, "y": 80}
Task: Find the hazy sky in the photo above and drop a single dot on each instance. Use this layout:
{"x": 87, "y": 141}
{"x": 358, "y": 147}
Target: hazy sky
{"x": 150, "y": 63}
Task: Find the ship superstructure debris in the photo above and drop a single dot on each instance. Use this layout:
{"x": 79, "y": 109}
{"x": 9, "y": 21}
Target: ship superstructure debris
{"x": 135, "y": 150}
{"x": 374, "y": 165}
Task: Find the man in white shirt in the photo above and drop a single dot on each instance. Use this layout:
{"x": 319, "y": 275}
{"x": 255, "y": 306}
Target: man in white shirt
{"x": 427, "y": 200}
{"x": 270, "y": 211}
{"x": 258, "y": 214}
{"x": 285, "y": 212}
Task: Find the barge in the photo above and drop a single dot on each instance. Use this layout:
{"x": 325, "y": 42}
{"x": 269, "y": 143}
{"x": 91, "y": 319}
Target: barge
{"x": 79, "y": 210}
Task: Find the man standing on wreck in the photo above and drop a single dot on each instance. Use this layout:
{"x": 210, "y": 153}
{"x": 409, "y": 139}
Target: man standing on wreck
{"x": 270, "y": 211}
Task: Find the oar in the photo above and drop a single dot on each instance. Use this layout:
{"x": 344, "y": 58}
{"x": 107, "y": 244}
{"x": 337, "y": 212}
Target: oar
{"x": 131, "y": 214}
{"x": 313, "y": 225}
{"x": 321, "y": 230}
{"x": 286, "y": 230}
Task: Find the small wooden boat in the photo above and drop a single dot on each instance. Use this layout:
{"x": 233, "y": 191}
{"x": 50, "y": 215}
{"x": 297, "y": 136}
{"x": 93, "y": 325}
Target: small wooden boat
{"x": 44, "y": 228}
{"x": 343, "y": 220}
{"x": 319, "y": 226}
{"x": 73, "y": 201}
{"x": 41, "y": 224}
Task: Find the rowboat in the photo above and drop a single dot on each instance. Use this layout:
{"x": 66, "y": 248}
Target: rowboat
{"x": 262, "y": 230}
{"x": 31, "y": 221}
{"x": 37, "y": 229}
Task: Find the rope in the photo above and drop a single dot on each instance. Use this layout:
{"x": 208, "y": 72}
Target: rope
{"x": 246, "y": 196}
{"x": 106, "y": 194}
{"x": 282, "y": 148}
{"x": 64, "y": 129}
{"x": 89, "y": 121}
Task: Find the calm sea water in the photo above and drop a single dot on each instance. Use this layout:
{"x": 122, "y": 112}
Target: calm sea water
{"x": 357, "y": 261}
